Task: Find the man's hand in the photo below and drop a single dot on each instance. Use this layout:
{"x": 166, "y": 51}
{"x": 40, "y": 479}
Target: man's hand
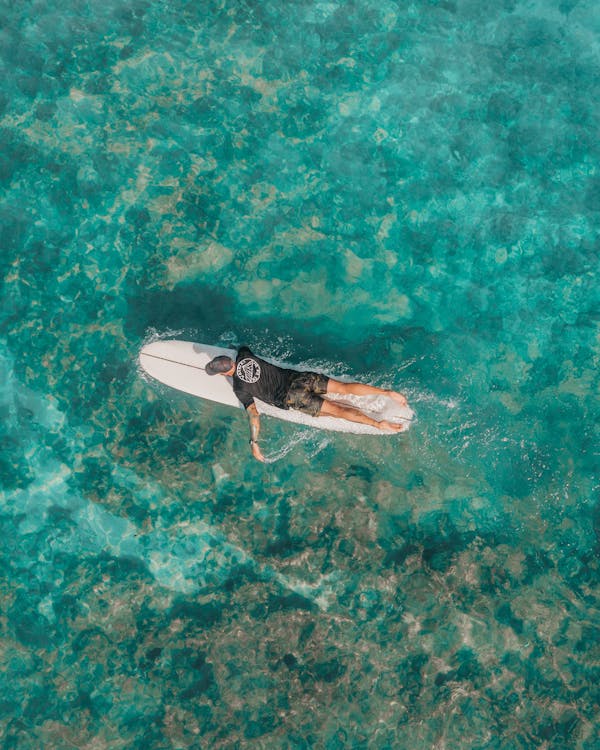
{"x": 257, "y": 453}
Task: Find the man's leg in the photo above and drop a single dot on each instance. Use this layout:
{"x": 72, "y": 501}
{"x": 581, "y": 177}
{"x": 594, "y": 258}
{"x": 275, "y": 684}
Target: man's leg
{"x": 360, "y": 389}
{"x": 331, "y": 409}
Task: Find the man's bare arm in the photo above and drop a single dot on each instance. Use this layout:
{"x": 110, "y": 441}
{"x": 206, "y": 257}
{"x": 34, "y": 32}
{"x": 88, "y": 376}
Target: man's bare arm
{"x": 254, "y": 419}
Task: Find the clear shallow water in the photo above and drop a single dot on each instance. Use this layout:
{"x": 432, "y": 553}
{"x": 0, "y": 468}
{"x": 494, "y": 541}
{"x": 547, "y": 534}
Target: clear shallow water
{"x": 405, "y": 194}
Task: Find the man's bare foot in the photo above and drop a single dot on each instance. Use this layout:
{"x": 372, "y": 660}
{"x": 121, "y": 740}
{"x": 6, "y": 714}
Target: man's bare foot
{"x": 393, "y": 426}
{"x": 398, "y": 397}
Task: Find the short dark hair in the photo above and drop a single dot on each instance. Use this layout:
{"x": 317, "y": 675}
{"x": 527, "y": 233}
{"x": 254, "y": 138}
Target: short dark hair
{"x": 219, "y": 365}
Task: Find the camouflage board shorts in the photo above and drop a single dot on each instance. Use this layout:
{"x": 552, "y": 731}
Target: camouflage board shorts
{"x": 305, "y": 392}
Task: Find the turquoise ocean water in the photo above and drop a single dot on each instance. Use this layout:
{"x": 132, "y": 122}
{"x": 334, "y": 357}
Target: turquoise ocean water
{"x": 403, "y": 193}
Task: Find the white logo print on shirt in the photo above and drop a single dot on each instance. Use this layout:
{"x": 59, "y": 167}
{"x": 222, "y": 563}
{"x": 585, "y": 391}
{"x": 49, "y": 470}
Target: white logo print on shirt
{"x": 248, "y": 370}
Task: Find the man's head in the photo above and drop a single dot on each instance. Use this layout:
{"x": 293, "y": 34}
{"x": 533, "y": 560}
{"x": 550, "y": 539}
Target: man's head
{"x": 220, "y": 366}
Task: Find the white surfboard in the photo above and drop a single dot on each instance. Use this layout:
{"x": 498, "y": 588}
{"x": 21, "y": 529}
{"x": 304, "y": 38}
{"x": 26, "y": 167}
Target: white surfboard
{"x": 181, "y": 365}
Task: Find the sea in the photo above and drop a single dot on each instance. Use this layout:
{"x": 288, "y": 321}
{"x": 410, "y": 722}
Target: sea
{"x": 399, "y": 193}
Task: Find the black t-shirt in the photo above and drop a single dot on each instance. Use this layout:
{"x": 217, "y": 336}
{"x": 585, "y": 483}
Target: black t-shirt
{"x": 255, "y": 378}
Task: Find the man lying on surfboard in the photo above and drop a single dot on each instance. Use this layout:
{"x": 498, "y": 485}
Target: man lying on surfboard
{"x": 291, "y": 389}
